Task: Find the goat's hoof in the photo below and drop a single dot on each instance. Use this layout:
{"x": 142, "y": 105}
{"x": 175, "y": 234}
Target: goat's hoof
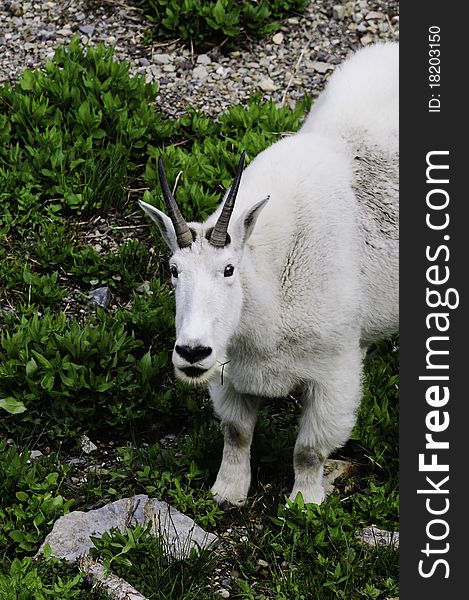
{"x": 226, "y": 498}
{"x": 312, "y": 495}
{"x": 226, "y": 505}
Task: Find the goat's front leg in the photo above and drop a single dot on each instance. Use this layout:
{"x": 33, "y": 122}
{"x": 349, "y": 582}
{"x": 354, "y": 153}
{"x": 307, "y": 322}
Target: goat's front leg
{"x": 238, "y": 415}
{"x": 328, "y": 417}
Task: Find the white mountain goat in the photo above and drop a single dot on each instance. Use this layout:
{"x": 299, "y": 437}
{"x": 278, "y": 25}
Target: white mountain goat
{"x": 282, "y": 291}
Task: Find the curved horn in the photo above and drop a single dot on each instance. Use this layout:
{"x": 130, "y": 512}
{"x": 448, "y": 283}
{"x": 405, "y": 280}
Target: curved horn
{"x": 218, "y": 237}
{"x": 183, "y": 233}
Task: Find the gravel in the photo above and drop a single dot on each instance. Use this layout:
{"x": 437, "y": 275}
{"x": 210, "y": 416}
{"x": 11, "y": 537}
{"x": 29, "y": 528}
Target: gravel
{"x": 293, "y": 62}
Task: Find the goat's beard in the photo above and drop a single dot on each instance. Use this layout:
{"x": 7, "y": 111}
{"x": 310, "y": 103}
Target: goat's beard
{"x": 201, "y": 380}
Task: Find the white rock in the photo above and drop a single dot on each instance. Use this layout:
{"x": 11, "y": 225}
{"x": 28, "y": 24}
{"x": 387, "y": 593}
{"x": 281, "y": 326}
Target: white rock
{"x": 86, "y": 444}
{"x": 278, "y": 38}
{"x": 375, "y": 16}
{"x": 70, "y": 536}
{"x": 321, "y": 67}
{"x": 204, "y": 59}
{"x": 372, "y": 536}
{"x": 267, "y": 85}
{"x": 116, "y": 587}
{"x": 338, "y": 12}
{"x": 200, "y": 72}
{"x": 333, "y": 469}
{"x": 161, "y": 59}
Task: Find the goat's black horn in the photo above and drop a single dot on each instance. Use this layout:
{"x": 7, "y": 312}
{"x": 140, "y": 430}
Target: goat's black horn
{"x": 219, "y": 232}
{"x": 183, "y": 233}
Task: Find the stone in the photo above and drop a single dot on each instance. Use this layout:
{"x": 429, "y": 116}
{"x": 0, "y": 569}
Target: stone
{"x": 277, "y": 38}
{"x": 333, "y": 469}
{"x": 375, "y": 16}
{"x": 339, "y": 12}
{"x": 86, "y": 29}
{"x": 373, "y": 537}
{"x": 64, "y": 32}
{"x": 87, "y": 445}
{"x": 203, "y": 59}
{"x": 366, "y": 39}
{"x": 70, "y": 535}
{"x": 200, "y": 72}
{"x": 144, "y": 288}
{"x": 100, "y": 296}
{"x": 267, "y": 85}
{"x": 321, "y": 67}
{"x": 114, "y": 586}
{"x": 161, "y": 59}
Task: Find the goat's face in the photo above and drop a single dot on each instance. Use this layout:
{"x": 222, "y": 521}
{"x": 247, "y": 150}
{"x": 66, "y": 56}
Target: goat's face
{"x": 205, "y": 272}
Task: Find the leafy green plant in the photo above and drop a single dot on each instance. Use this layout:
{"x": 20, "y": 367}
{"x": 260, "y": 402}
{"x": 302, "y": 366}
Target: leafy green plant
{"x": 68, "y": 134}
{"x": 26, "y": 579}
{"x": 174, "y": 477}
{"x": 207, "y": 167}
{"x": 205, "y": 22}
{"x": 30, "y": 499}
{"x": 143, "y": 560}
{"x": 70, "y": 372}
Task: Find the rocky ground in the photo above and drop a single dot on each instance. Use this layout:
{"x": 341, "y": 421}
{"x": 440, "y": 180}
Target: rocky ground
{"x": 295, "y": 61}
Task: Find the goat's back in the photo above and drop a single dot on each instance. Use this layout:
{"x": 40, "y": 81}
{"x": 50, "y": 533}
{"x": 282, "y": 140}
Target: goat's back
{"x": 360, "y": 108}
{"x": 361, "y": 99}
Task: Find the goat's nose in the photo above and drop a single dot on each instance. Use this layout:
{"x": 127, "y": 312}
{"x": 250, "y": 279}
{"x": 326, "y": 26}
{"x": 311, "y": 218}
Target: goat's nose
{"x": 193, "y": 354}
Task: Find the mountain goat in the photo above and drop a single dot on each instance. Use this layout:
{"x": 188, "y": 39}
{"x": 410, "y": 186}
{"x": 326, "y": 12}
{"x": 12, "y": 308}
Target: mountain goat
{"x": 282, "y": 289}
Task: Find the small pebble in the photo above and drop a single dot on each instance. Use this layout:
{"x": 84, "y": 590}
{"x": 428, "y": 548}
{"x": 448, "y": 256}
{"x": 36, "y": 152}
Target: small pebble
{"x": 267, "y": 85}
{"x": 277, "y": 38}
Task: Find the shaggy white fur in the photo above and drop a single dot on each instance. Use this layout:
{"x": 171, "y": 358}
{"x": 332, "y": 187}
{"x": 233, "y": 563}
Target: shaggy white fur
{"x": 308, "y": 280}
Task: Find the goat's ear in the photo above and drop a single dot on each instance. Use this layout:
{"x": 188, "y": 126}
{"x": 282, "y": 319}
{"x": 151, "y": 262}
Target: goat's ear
{"x": 164, "y": 224}
{"x": 245, "y": 224}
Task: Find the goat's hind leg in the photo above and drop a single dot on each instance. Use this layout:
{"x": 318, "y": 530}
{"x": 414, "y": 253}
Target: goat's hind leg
{"x": 328, "y": 417}
{"x": 238, "y": 415}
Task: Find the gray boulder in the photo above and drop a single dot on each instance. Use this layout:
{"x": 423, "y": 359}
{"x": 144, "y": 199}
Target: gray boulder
{"x": 70, "y": 536}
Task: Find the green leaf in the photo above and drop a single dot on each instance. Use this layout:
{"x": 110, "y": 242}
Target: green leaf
{"x": 27, "y": 80}
{"x": 12, "y": 405}
{"x": 47, "y": 382}
{"x": 31, "y": 367}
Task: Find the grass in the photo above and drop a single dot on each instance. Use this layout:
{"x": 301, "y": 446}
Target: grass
{"x": 203, "y": 23}
{"x": 69, "y": 224}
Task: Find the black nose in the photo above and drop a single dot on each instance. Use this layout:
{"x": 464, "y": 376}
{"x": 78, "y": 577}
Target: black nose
{"x": 193, "y": 354}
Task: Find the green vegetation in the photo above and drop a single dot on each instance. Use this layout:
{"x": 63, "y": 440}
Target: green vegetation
{"x": 79, "y": 145}
{"x": 203, "y": 22}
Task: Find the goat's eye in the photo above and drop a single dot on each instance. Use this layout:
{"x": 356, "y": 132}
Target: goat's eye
{"x": 173, "y": 271}
{"x": 229, "y": 270}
